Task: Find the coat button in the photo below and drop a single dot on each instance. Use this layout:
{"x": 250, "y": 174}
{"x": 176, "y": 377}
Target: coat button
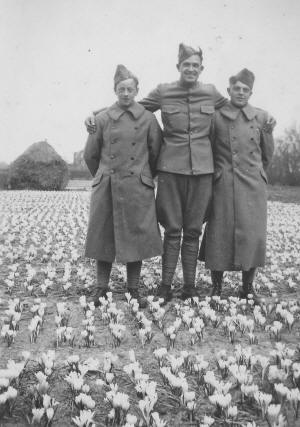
{"x": 232, "y": 127}
{"x": 112, "y": 156}
{"x": 131, "y": 173}
{"x": 131, "y": 158}
{"x": 112, "y": 171}
{"x": 133, "y": 143}
{"x": 114, "y": 141}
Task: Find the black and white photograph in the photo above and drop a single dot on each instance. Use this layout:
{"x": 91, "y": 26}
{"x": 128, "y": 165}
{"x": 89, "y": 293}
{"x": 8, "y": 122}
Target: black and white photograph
{"x": 150, "y": 213}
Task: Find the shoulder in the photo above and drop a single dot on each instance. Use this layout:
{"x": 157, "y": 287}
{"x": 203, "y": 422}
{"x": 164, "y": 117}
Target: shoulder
{"x": 261, "y": 114}
{"x": 208, "y": 87}
{"x": 163, "y": 87}
{"x": 102, "y": 116}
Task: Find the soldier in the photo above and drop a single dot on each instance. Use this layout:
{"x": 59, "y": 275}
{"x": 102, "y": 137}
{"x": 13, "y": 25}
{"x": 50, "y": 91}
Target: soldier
{"x": 235, "y": 237}
{"x": 122, "y": 157}
{"x": 185, "y": 165}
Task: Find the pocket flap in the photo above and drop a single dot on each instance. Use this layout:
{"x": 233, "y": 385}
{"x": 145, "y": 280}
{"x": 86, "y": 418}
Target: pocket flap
{"x": 147, "y": 181}
{"x": 207, "y": 109}
{"x": 170, "y": 110}
{"x": 97, "y": 179}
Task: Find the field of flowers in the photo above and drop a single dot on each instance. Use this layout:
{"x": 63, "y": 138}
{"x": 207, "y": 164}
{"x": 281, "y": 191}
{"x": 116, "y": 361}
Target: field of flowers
{"x": 203, "y": 362}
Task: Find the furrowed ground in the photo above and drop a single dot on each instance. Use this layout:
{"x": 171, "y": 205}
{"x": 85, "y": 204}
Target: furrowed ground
{"x": 202, "y": 362}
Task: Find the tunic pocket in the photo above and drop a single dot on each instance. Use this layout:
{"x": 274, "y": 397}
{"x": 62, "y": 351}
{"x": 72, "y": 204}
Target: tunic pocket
{"x": 205, "y": 117}
{"x": 174, "y": 118}
{"x": 207, "y": 109}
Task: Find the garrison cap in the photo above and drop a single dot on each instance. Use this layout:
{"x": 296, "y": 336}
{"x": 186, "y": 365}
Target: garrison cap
{"x": 122, "y": 73}
{"x": 245, "y": 76}
{"x": 185, "y": 52}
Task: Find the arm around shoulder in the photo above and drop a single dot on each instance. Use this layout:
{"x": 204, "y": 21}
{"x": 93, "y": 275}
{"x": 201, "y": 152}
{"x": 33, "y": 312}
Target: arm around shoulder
{"x": 155, "y": 140}
{"x": 152, "y": 102}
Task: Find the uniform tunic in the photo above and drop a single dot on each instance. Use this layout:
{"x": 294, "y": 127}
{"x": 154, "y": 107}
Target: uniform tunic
{"x": 186, "y": 114}
{"x": 122, "y": 157}
{"x": 236, "y": 231}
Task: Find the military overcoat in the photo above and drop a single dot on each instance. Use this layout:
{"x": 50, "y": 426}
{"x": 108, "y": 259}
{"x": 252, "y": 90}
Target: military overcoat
{"x": 235, "y": 237}
{"x": 122, "y": 157}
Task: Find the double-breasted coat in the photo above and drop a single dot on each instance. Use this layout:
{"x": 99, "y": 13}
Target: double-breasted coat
{"x": 122, "y": 157}
{"x": 235, "y": 237}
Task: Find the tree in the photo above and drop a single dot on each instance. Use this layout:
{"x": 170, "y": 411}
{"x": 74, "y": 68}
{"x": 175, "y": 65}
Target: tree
{"x": 285, "y": 167}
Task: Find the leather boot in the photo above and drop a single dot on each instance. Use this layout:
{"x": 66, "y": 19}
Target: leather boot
{"x": 164, "y": 292}
{"x": 189, "y": 256}
{"x": 142, "y": 301}
{"x": 101, "y": 293}
{"x": 216, "y": 279}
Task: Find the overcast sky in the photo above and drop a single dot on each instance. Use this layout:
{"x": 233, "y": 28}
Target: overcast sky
{"x": 58, "y": 58}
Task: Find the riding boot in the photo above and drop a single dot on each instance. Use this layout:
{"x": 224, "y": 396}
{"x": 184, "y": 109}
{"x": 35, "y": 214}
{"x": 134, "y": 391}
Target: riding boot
{"x": 189, "y": 255}
{"x": 169, "y": 264}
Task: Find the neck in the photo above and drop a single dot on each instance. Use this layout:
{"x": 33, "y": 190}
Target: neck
{"x": 187, "y": 84}
{"x": 238, "y": 107}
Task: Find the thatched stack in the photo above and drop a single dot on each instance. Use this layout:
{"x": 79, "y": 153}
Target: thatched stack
{"x": 39, "y": 168}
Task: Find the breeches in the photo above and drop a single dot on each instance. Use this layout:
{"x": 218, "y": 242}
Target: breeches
{"x": 183, "y": 203}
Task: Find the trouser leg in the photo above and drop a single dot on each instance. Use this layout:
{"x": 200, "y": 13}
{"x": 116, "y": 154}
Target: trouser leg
{"x": 248, "y": 288}
{"x": 216, "y": 279}
{"x": 248, "y": 277}
{"x": 169, "y": 214}
{"x": 196, "y": 205}
{"x": 133, "y": 280}
{"x": 103, "y": 270}
{"x": 133, "y": 274}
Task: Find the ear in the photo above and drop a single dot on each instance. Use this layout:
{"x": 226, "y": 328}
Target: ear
{"x": 177, "y": 66}
{"x": 228, "y": 91}
{"x": 201, "y": 68}
{"x": 250, "y": 93}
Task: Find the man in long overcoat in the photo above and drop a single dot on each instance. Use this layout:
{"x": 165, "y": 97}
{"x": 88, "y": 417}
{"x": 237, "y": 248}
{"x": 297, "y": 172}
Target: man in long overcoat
{"x": 122, "y": 157}
{"x": 235, "y": 237}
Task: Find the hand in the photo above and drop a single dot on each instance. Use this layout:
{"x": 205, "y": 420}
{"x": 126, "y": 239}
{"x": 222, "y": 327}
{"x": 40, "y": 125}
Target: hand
{"x": 90, "y": 124}
{"x": 270, "y": 124}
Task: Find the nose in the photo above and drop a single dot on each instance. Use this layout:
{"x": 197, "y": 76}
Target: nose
{"x": 126, "y": 92}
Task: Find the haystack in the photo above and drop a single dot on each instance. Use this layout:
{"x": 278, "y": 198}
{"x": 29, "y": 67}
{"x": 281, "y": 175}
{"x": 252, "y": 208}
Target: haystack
{"x": 39, "y": 168}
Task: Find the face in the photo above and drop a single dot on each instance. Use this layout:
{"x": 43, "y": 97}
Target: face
{"x": 190, "y": 69}
{"x": 239, "y": 94}
{"x": 126, "y": 91}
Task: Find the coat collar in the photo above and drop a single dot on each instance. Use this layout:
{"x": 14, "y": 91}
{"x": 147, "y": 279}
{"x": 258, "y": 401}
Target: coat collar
{"x": 115, "y": 112}
{"x": 231, "y": 112}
